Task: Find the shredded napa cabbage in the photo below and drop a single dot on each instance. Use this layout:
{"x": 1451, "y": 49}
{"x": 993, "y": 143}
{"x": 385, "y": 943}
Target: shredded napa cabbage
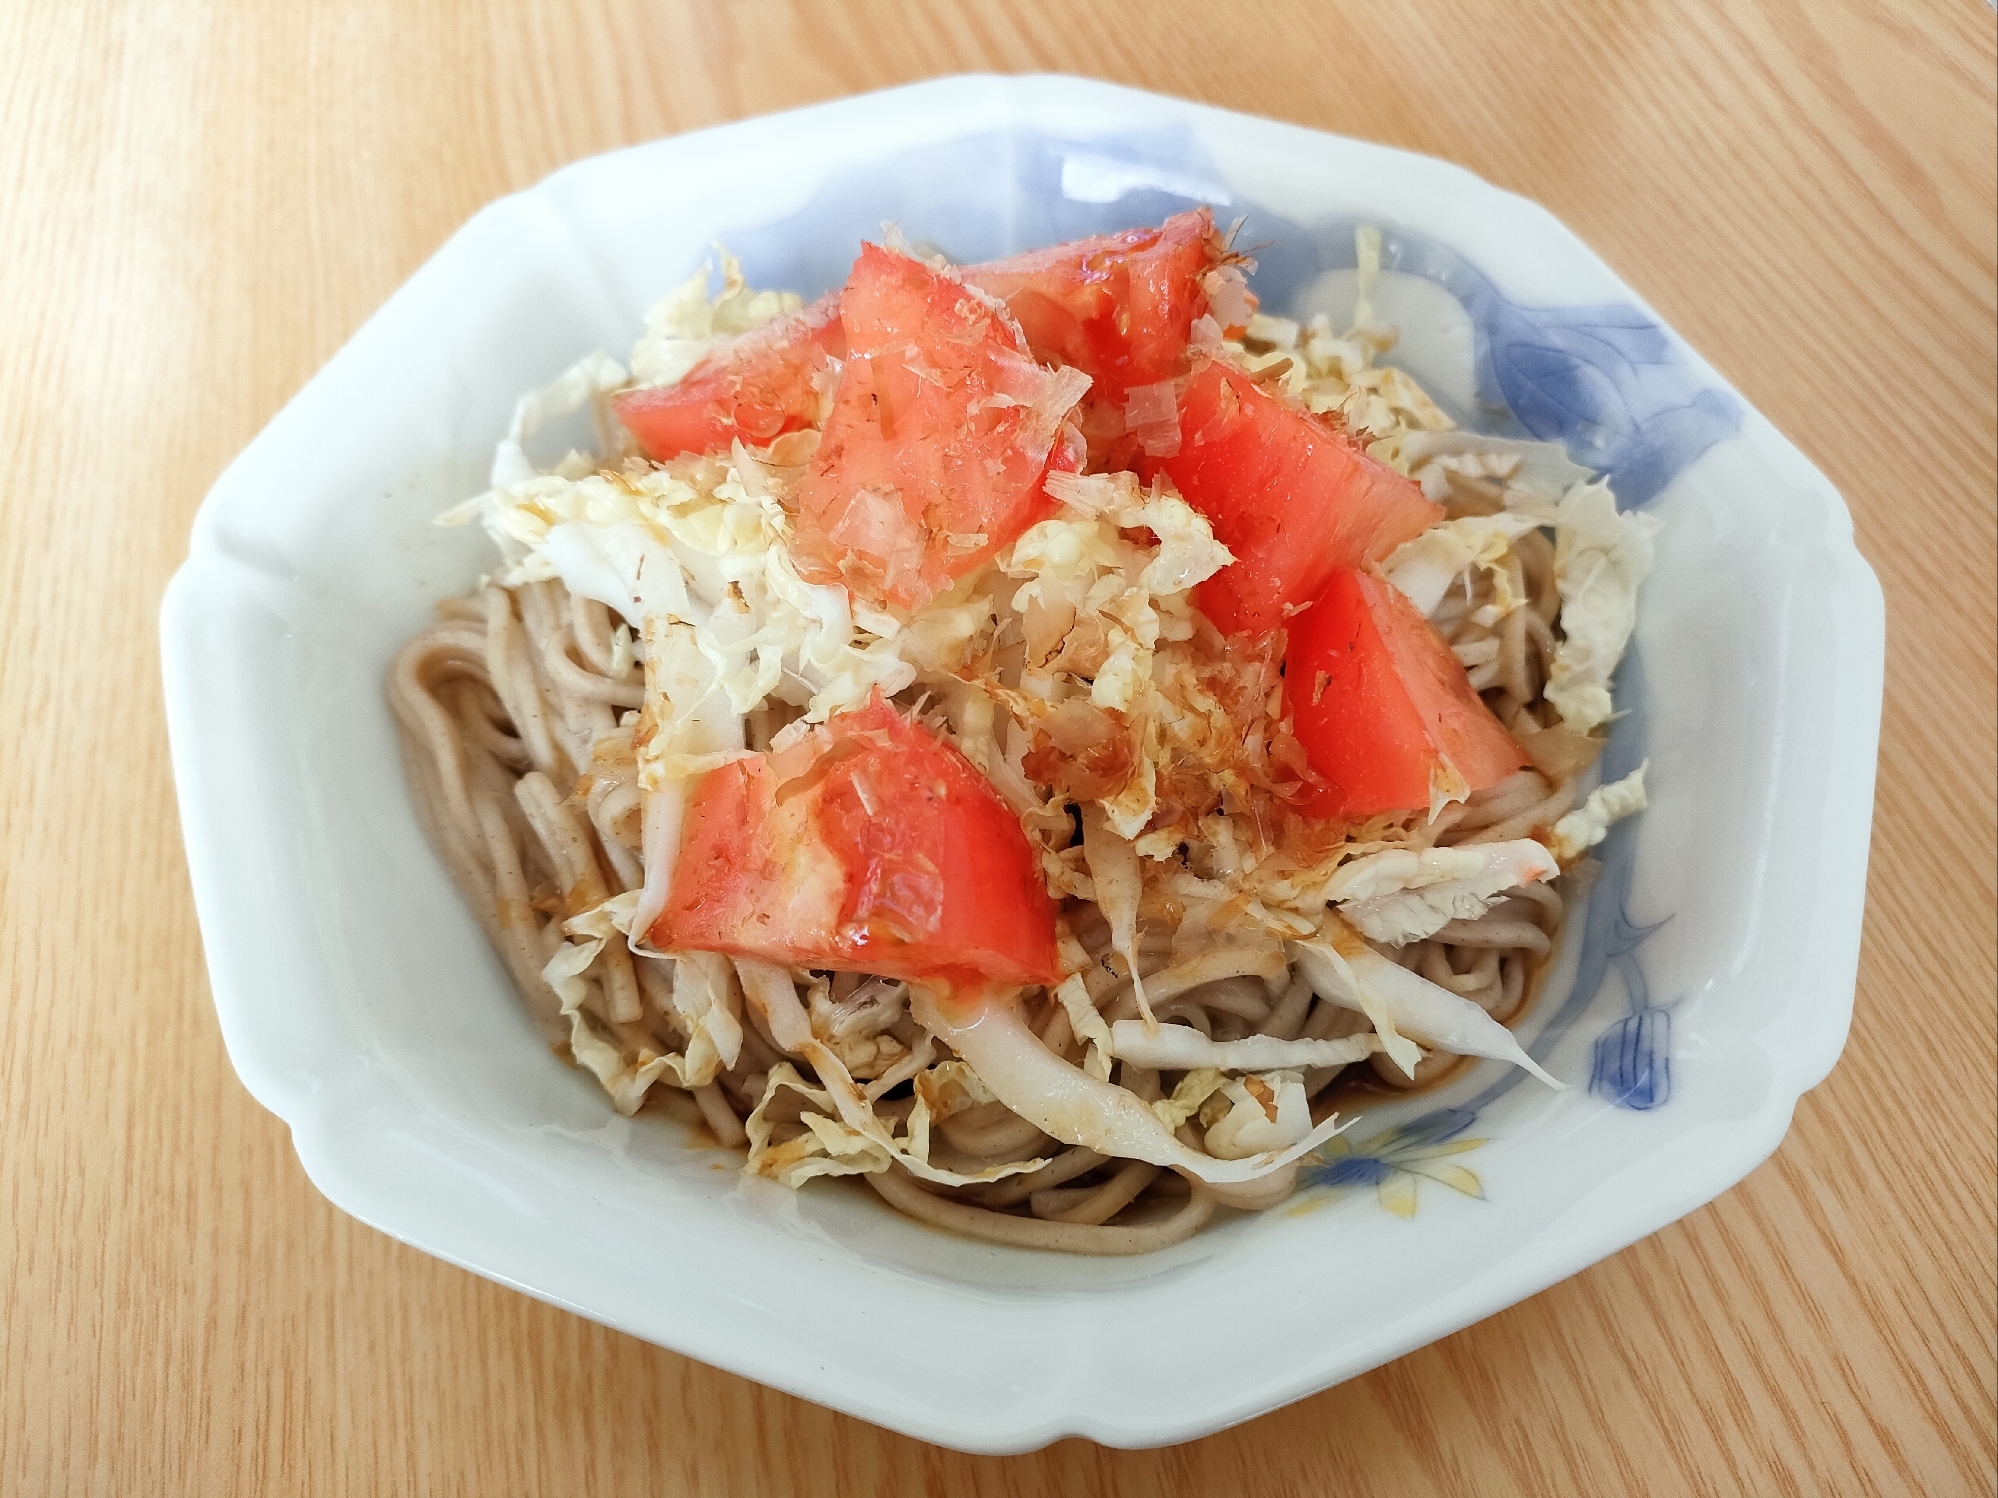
{"x": 1252, "y": 1114}
{"x": 1188, "y": 1096}
{"x": 1530, "y": 470}
{"x": 1096, "y": 603}
{"x": 827, "y": 1143}
{"x": 1425, "y": 568}
{"x": 684, "y": 327}
{"x": 1399, "y": 895}
{"x": 1601, "y": 554}
{"x": 1587, "y": 825}
{"x": 849, "y": 1133}
{"x": 703, "y": 999}
{"x": 1405, "y": 1007}
{"x": 1177, "y": 1047}
{"x": 692, "y": 557}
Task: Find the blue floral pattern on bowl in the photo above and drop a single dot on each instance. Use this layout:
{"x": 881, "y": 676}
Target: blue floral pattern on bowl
{"x": 1605, "y": 382}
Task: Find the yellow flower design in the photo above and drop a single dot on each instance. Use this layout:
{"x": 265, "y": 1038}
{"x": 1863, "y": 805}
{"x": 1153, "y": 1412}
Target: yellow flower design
{"x": 1396, "y": 1161}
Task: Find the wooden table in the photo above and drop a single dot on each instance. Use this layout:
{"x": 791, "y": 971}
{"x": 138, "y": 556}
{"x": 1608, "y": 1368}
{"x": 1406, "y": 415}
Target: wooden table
{"x": 199, "y": 204}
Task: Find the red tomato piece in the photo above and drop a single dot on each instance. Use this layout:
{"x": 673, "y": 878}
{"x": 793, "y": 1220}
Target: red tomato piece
{"x": 757, "y": 387}
{"x": 1119, "y": 307}
{"x": 1379, "y": 702}
{"x": 871, "y": 847}
{"x": 1288, "y": 492}
{"x": 939, "y": 437}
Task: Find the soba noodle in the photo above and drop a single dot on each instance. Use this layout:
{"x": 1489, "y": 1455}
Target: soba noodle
{"x": 517, "y": 711}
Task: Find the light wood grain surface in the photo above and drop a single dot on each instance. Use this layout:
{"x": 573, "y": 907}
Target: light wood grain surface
{"x": 200, "y": 202}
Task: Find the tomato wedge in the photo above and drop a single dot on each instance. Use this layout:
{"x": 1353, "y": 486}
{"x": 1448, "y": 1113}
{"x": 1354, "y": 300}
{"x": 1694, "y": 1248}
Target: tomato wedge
{"x": 939, "y": 437}
{"x": 871, "y": 847}
{"x": 1288, "y": 492}
{"x": 1380, "y": 704}
{"x": 1118, "y": 307}
{"x": 757, "y": 387}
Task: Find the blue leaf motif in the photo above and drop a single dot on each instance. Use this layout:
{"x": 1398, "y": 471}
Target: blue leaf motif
{"x": 1606, "y": 383}
{"x": 1353, "y": 1170}
{"x": 1633, "y": 1061}
{"x": 1559, "y": 395}
{"x": 1434, "y": 1128}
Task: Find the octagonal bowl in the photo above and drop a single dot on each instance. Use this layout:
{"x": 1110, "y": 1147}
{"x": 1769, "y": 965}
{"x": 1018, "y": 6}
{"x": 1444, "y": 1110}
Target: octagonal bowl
{"x": 1705, "y": 985}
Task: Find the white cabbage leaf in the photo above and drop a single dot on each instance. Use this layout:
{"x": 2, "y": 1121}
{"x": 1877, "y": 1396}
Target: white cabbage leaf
{"x": 1181, "y": 1047}
{"x": 1425, "y": 567}
{"x": 1601, "y": 554}
{"x": 1088, "y": 1025}
{"x": 773, "y": 993}
{"x": 1192, "y": 1091}
{"x": 626, "y": 1059}
{"x": 830, "y": 1146}
{"x": 1589, "y": 823}
{"x": 1342, "y": 969}
{"x": 856, "y": 1027}
{"x": 1064, "y": 1101}
{"x": 583, "y": 383}
{"x": 594, "y": 1042}
{"x": 1256, "y": 1114}
{"x": 1541, "y": 470}
{"x": 1399, "y": 895}
{"x": 1119, "y": 883}
{"x": 827, "y": 1147}
{"x": 1327, "y": 970}
{"x": 703, "y": 996}
{"x": 684, "y": 327}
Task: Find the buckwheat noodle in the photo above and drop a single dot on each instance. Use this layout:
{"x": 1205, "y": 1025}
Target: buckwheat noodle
{"x": 517, "y": 709}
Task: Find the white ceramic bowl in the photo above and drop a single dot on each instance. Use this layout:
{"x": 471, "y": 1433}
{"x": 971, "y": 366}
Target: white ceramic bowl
{"x": 361, "y": 1004}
